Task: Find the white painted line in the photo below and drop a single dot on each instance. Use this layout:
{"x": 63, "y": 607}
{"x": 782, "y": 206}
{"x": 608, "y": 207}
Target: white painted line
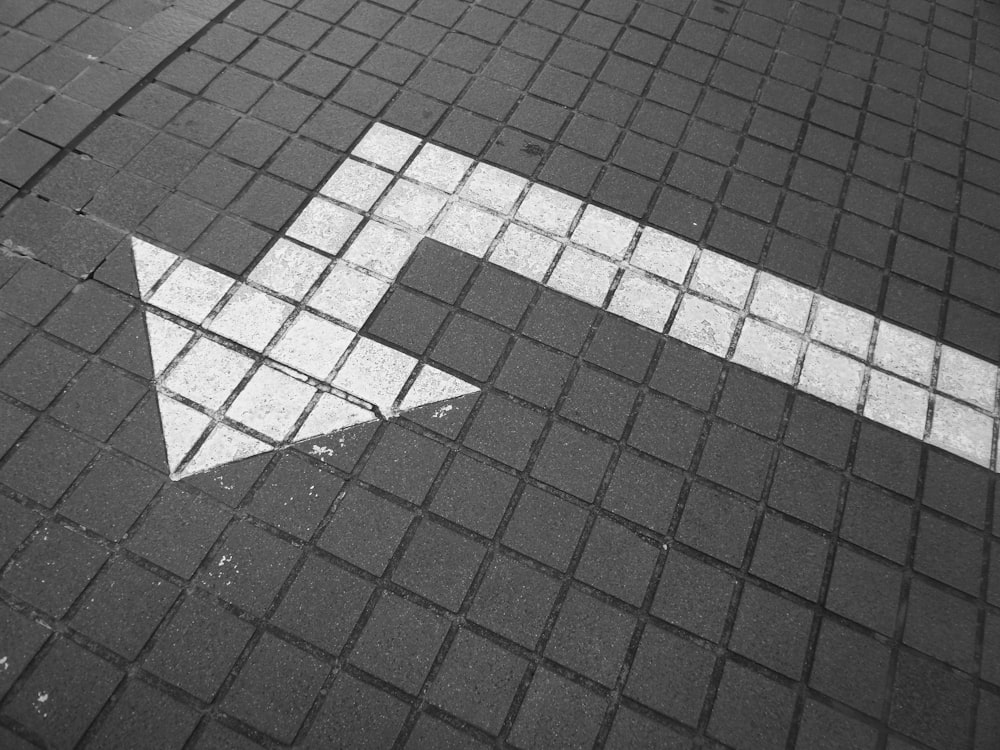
{"x": 394, "y": 190}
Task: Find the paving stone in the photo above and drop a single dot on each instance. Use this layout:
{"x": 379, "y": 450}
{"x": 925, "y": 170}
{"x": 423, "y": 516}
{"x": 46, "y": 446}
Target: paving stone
{"x": 771, "y": 630}
{"x": 545, "y": 527}
{"x": 178, "y": 531}
{"x": 938, "y": 722}
{"x": 742, "y": 469}
{"x": 572, "y": 461}
{"x": 661, "y": 654}
{"x": 275, "y": 688}
{"x": 144, "y": 714}
{"x": 358, "y": 715}
{"x": 617, "y": 562}
{"x": 864, "y": 590}
{"x": 45, "y": 463}
{"x": 439, "y": 564}
{"x": 470, "y": 346}
{"x": 948, "y": 552}
{"x": 123, "y": 607}
{"x": 750, "y": 710}
{"x": 21, "y": 522}
{"x": 715, "y": 523}
{"x": 400, "y": 642}
{"x": 405, "y": 464}
{"x": 556, "y": 712}
{"x": 365, "y": 530}
{"x": 590, "y": 637}
{"x": 790, "y": 556}
{"x": 474, "y": 495}
{"x": 296, "y": 496}
{"x": 477, "y": 681}
{"x": 198, "y": 647}
{"x": 23, "y": 638}
{"x": 643, "y": 492}
{"x": 505, "y": 431}
{"x": 111, "y": 496}
{"x": 941, "y": 625}
{"x": 430, "y": 732}
{"x": 514, "y": 600}
{"x": 33, "y": 292}
{"x": 249, "y": 567}
{"x": 322, "y": 605}
{"x": 666, "y": 430}
{"x": 75, "y": 685}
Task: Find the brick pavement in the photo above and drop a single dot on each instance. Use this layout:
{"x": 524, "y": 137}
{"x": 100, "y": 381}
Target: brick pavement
{"x": 622, "y": 541}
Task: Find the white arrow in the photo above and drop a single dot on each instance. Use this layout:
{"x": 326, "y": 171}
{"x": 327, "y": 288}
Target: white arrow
{"x": 349, "y": 243}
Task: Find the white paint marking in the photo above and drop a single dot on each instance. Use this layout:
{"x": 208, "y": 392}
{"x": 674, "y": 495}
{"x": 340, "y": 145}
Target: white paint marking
{"x": 150, "y": 264}
{"x": 289, "y": 269}
{"x": 820, "y": 346}
{"x": 324, "y": 225}
{"x": 191, "y": 291}
{"x": 432, "y": 386}
{"x": 166, "y": 339}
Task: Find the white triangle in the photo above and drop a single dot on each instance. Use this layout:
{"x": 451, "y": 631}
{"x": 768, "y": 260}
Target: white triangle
{"x": 224, "y": 445}
{"x": 333, "y": 413}
{"x": 432, "y": 386}
{"x": 166, "y": 339}
{"x": 182, "y": 426}
{"x": 151, "y": 262}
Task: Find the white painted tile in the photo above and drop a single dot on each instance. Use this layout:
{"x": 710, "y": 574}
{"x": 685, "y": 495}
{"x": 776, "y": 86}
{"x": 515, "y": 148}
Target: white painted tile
{"x": 962, "y": 430}
{"x": 222, "y": 446}
{"x": 494, "y": 188}
{"x": 842, "y": 327}
{"x": 643, "y": 300}
{"x": 330, "y": 414}
{"x": 584, "y": 276}
{"x": 348, "y": 294}
{"x": 767, "y": 350}
{"x": 182, "y": 426}
{"x": 208, "y": 373}
{"x": 250, "y": 318}
{"x": 525, "y": 252}
{"x": 705, "y": 325}
{"x": 271, "y": 402}
{"x": 431, "y": 386}
{"x": 663, "y": 255}
{"x": 386, "y": 146}
{"x": 381, "y": 248}
{"x": 412, "y": 205}
{"x": 897, "y": 404}
{"x": 904, "y": 352}
{"x": 722, "y": 278}
{"x": 467, "y": 228}
{"x": 375, "y": 373}
{"x": 191, "y": 291}
{"x": 967, "y": 378}
{"x": 151, "y": 262}
{"x": 831, "y": 376}
{"x": 781, "y": 302}
{"x": 324, "y": 225}
{"x": 166, "y": 339}
{"x": 605, "y": 232}
{"x": 356, "y": 184}
{"x": 289, "y": 269}
{"x": 548, "y": 210}
{"x": 312, "y": 345}
{"x": 438, "y": 167}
